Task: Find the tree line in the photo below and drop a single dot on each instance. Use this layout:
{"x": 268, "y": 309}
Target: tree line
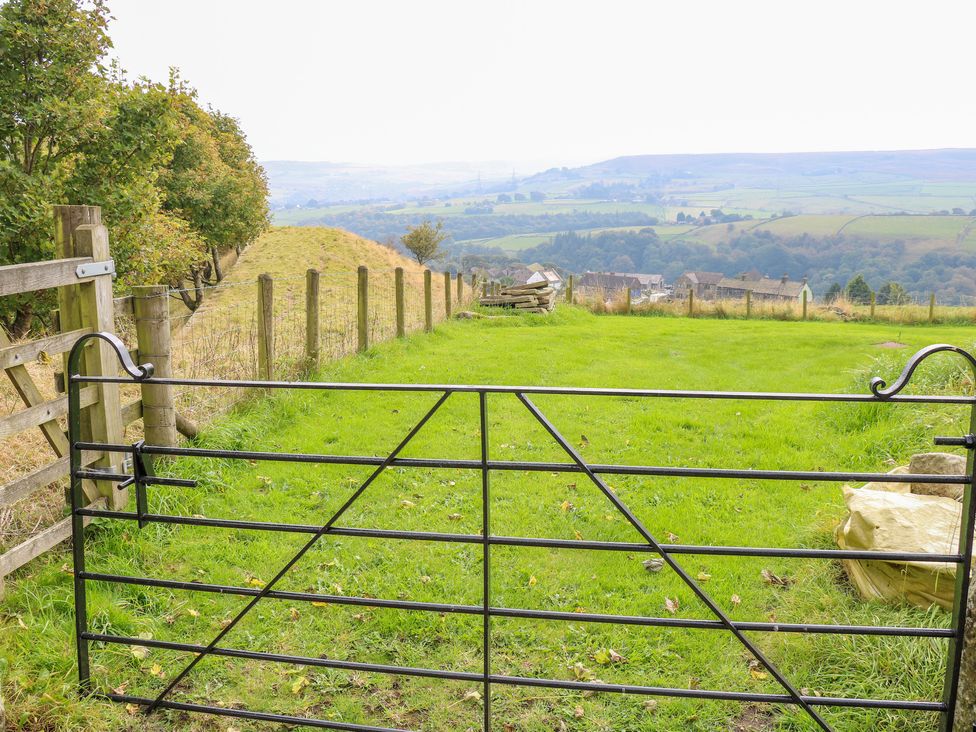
{"x": 178, "y": 183}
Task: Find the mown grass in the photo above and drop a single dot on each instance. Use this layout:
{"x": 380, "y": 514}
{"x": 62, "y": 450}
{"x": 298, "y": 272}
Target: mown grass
{"x": 571, "y": 347}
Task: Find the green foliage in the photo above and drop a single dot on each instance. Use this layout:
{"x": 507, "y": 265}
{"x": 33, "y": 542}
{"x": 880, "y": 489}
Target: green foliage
{"x": 891, "y": 293}
{"x": 858, "y": 290}
{"x": 424, "y": 241}
{"x": 175, "y": 182}
{"x": 833, "y": 292}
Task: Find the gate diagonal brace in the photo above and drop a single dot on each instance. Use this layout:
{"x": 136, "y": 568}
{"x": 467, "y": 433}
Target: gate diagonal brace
{"x": 672, "y": 563}
{"x": 301, "y": 553}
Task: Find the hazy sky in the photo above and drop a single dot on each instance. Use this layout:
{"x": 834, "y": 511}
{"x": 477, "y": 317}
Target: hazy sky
{"x": 402, "y": 82}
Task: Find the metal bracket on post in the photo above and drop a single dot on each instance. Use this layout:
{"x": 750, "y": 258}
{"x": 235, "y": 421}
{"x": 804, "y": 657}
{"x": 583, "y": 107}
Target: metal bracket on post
{"x": 94, "y": 269}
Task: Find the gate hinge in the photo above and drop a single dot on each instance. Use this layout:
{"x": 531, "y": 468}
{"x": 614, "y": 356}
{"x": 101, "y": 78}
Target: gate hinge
{"x": 967, "y": 441}
{"x": 94, "y": 269}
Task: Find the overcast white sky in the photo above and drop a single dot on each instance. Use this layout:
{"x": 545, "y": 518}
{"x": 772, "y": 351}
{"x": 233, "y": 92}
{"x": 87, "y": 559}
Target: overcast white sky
{"x": 421, "y": 81}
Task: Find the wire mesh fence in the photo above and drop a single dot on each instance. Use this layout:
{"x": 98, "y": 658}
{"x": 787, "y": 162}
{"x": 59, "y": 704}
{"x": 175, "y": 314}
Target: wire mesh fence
{"x": 220, "y": 339}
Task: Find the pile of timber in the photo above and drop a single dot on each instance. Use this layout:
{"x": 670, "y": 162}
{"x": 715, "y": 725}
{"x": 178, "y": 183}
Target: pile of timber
{"x": 537, "y": 297}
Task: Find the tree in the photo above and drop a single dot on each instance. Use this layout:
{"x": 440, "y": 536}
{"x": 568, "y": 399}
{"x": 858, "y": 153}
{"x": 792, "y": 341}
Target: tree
{"x": 50, "y": 104}
{"x": 681, "y": 216}
{"x": 833, "y": 292}
{"x": 537, "y": 196}
{"x": 858, "y": 290}
{"x": 424, "y": 241}
{"x": 892, "y": 293}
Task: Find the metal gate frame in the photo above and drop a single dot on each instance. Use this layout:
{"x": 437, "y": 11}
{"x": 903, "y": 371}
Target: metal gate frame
{"x": 143, "y": 477}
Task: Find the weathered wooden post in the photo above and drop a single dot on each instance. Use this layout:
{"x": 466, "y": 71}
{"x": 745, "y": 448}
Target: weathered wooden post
{"x": 265, "y": 327}
{"x": 484, "y": 288}
{"x": 569, "y": 290}
{"x": 691, "y": 302}
{"x": 460, "y": 287}
{"x": 79, "y": 233}
{"x": 874, "y": 299}
{"x": 748, "y": 304}
{"x": 932, "y": 308}
{"x": 447, "y": 295}
{"x": 313, "y": 334}
{"x": 630, "y": 309}
{"x": 428, "y": 303}
{"x": 362, "y": 313}
{"x": 401, "y": 329}
{"x": 474, "y": 285}
{"x": 151, "y": 307}
{"x": 805, "y": 304}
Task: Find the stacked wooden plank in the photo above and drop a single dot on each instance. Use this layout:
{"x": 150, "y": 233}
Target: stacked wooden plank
{"x": 537, "y": 297}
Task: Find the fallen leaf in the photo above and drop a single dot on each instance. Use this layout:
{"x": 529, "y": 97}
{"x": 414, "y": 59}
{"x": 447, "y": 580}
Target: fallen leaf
{"x": 736, "y": 600}
{"x": 653, "y": 565}
{"x": 566, "y": 506}
{"x": 756, "y": 670}
{"x": 532, "y": 581}
{"x": 300, "y": 683}
{"x": 671, "y": 605}
{"x": 293, "y": 613}
{"x": 193, "y": 613}
{"x": 320, "y": 604}
{"x": 672, "y": 538}
{"x": 407, "y": 504}
{"x": 472, "y": 695}
{"x": 582, "y": 673}
{"x": 583, "y": 441}
{"x": 456, "y": 517}
{"x": 425, "y": 579}
{"x": 139, "y": 652}
{"x": 606, "y": 656}
{"x": 772, "y": 579}
{"x": 255, "y": 582}
{"x": 578, "y": 712}
{"x": 156, "y": 670}
{"x": 703, "y": 576}
{"x": 132, "y": 708}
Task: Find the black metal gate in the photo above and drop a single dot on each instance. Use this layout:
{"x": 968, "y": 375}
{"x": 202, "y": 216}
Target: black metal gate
{"x": 142, "y": 477}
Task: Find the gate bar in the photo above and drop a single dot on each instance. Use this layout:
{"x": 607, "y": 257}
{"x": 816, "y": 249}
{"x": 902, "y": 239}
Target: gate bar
{"x": 619, "y": 546}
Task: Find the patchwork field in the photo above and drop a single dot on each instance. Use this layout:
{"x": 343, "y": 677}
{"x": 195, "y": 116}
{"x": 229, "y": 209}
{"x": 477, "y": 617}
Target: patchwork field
{"x": 570, "y": 348}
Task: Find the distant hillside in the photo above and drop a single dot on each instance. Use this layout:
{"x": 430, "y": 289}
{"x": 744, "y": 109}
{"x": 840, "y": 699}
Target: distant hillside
{"x": 931, "y": 165}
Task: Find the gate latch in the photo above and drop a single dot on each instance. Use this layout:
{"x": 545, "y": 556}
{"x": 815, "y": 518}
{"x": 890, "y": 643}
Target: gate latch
{"x": 967, "y": 441}
{"x": 142, "y": 468}
{"x": 93, "y": 269}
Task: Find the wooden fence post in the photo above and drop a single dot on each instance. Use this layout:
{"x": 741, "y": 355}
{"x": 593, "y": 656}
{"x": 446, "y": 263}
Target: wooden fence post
{"x": 447, "y": 295}
{"x": 150, "y": 303}
{"x": 265, "y": 327}
{"x": 484, "y": 288}
{"x": 932, "y": 308}
{"x": 748, "y": 304}
{"x": 474, "y": 285}
{"x": 569, "y": 290}
{"x": 401, "y": 329}
{"x": 691, "y": 301}
{"x": 428, "y": 303}
{"x": 873, "y": 301}
{"x": 630, "y": 308}
{"x": 805, "y": 304}
{"x": 313, "y": 333}
{"x": 460, "y": 287}
{"x": 362, "y": 314}
{"x": 79, "y": 233}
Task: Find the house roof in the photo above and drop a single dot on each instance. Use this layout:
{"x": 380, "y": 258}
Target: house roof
{"x": 609, "y": 281}
{"x": 647, "y": 280}
{"x": 764, "y": 286}
{"x": 704, "y": 278}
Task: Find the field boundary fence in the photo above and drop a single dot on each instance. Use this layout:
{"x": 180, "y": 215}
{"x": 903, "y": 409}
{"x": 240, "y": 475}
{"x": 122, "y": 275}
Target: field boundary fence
{"x": 271, "y": 328}
{"x": 486, "y": 465}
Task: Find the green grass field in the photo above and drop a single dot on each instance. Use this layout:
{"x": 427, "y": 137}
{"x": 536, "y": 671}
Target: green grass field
{"x": 570, "y": 348}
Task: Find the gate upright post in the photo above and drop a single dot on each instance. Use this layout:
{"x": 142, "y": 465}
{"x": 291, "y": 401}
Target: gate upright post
{"x": 959, "y": 692}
